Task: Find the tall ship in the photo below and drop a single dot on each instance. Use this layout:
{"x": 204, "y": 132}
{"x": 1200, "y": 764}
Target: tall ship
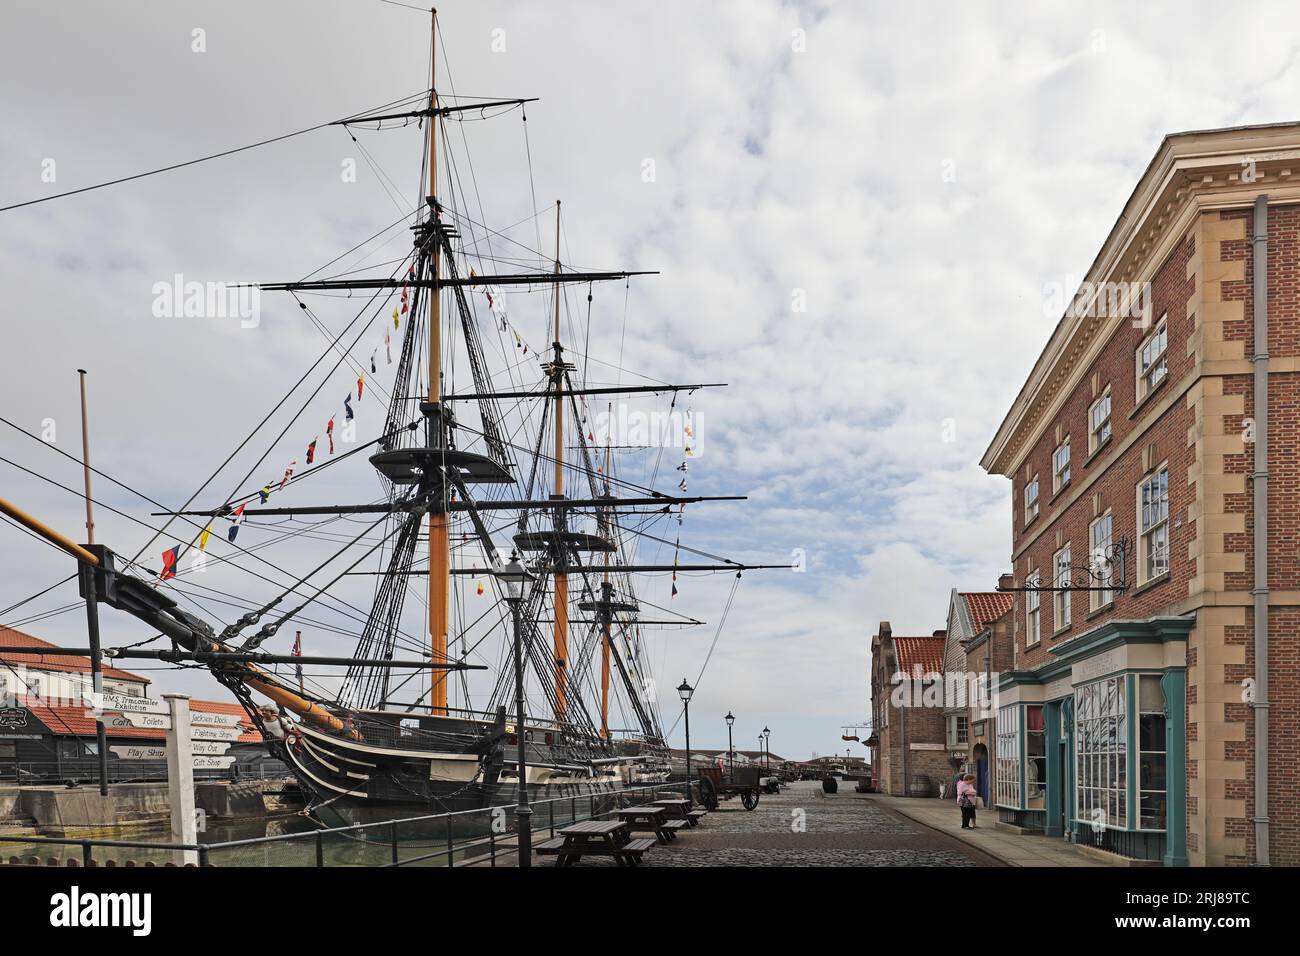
{"x": 492, "y": 476}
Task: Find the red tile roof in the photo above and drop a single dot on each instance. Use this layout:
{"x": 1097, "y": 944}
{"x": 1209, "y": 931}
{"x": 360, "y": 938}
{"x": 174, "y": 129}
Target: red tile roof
{"x": 923, "y": 652}
{"x": 72, "y": 665}
{"x": 79, "y": 721}
{"x": 985, "y": 607}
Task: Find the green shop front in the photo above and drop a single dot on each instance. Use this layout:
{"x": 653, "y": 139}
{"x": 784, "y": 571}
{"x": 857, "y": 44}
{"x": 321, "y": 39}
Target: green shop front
{"x": 1091, "y": 747}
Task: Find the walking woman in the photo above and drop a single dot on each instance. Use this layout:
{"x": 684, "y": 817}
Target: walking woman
{"x": 966, "y": 800}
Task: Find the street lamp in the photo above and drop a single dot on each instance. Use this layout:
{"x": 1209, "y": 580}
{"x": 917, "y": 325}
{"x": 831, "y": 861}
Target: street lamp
{"x": 767, "y": 749}
{"x": 731, "y": 749}
{"x": 513, "y": 577}
{"x": 684, "y": 692}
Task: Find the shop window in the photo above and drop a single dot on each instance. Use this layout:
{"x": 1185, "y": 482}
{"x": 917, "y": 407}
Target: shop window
{"x": 1035, "y": 758}
{"x": 1152, "y": 786}
{"x": 1101, "y": 753}
{"x": 1008, "y": 757}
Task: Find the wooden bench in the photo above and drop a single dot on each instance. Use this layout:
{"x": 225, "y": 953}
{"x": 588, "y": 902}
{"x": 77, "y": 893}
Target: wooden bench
{"x": 634, "y": 848}
{"x": 676, "y": 825}
{"x": 696, "y": 816}
{"x": 550, "y": 847}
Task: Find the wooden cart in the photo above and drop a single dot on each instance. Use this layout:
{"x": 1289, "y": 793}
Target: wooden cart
{"x": 715, "y": 786}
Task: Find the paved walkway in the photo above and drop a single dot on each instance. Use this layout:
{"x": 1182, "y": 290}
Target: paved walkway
{"x": 804, "y": 827}
{"x": 1013, "y": 849}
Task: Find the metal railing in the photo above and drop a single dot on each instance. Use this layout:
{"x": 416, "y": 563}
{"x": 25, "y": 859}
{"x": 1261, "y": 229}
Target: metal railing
{"x": 464, "y": 838}
{"x": 88, "y": 846}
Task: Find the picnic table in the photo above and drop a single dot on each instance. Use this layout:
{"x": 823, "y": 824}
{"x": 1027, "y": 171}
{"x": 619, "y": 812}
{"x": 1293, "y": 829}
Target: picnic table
{"x": 652, "y": 818}
{"x": 679, "y": 808}
{"x": 595, "y": 838}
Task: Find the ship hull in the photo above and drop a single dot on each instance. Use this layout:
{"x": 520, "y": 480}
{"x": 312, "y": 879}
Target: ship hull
{"x": 350, "y": 784}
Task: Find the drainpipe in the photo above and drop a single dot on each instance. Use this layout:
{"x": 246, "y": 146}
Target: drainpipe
{"x": 902, "y": 733}
{"x": 1260, "y": 482}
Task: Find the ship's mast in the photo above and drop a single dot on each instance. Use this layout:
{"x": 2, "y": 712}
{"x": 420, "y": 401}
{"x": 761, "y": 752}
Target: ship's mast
{"x": 439, "y": 537}
{"x": 561, "y": 635}
{"x": 605, "y": 596}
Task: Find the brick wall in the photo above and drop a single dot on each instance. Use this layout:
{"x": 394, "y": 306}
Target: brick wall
{"x": 1205, "y": 287}
{"x": 1117, "y": 473}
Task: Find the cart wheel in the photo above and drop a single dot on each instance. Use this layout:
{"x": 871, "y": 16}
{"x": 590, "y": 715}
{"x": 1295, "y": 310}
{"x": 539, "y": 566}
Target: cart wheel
{"x": 749, "y": 798}
{"x": 708, "y": 794}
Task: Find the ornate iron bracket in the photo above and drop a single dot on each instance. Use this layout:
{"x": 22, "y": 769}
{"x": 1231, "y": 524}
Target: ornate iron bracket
{"x": 1107, "y": 571}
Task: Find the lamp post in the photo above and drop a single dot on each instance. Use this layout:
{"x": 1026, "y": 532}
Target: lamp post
{"x": 684, "y": 692}
{"x": 513, "y": 577}
{"x": 731, "y": 749}
{"x": 767, "y": 749}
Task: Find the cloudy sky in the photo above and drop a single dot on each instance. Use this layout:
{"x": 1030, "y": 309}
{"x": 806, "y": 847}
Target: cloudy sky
{"x": 858, "y": 211}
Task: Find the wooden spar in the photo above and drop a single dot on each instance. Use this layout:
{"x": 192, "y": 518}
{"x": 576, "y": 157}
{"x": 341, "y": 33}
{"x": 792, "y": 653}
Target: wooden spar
{"x": 42, "y": 530}
{"x": 85, "y": 460}
{"x": 305, "y": 708}
{"x": 605, "y": 618}
{"x": 439, "y": 530}
{"x": 561, "y": 632}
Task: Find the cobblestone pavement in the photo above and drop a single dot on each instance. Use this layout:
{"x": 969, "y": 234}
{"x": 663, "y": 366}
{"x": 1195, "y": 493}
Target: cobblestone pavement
{"x": 804, "y": 827}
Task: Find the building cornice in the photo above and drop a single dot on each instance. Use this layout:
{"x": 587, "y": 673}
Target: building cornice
{"x": 1190, "y": 172}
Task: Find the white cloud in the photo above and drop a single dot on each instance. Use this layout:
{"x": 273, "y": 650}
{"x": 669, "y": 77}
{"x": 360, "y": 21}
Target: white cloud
{"x": 821, "y": 171}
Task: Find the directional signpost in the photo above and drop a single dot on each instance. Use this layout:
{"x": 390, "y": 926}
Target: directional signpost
{"x": 124, "y": 703}
{"x": 180, "y": 777}
{"x": 196, "y": 740}
{"x": 131, "y": 752}
{"x": 127, "y": 720}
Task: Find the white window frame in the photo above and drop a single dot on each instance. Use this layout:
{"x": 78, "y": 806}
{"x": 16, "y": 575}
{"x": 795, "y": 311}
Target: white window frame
{"x": 1031, "y": 504}
{"x": 1097, "y": 425}
{"x": 1061, "y": 468}
{"x": 1007, "y": 758}
{"x": 1061, "y": 578}
{"x": 958, "y": 730}
{"x": 1033, "y": 611}
{"x": 1153, "y": 521}
{"x": 1101, "y": 753}
{"x": 1151, "y": 361}
{"x": 1098, "y": 561}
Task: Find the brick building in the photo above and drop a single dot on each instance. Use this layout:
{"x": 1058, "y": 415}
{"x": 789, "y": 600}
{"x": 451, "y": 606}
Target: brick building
{"x": 978, "y": 646}
{"x": 1163, "y": 415}
{"x": 907, "y": 741}
{"x": 47, "y": 730}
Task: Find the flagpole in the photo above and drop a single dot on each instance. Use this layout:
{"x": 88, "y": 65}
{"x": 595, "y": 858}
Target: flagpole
{"x": 92, "y": 603}
{"x": 439, "y": 532}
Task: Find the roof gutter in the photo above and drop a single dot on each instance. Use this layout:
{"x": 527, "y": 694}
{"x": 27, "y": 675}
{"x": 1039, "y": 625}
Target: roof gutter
{"x": 1259, "y": 244}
